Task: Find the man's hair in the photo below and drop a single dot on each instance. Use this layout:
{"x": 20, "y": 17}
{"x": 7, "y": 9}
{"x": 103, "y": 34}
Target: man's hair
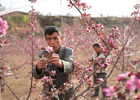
{"x": 96, "y": 45}
{"x": 50, "y": 30}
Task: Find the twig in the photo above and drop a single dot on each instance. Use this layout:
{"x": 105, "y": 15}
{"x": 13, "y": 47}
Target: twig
{"x": 85, "y": 97}
{"x": 10, "y": 89}
{"x": 31, "y": 84}
{"x": 84, "y": 80}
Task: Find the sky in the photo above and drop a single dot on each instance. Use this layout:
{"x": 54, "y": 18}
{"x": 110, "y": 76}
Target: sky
{"x": 117, "y": 8}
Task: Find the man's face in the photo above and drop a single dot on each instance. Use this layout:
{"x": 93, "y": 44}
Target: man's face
{"x": 54, "y": 41}
{"x": 97, "y": 49}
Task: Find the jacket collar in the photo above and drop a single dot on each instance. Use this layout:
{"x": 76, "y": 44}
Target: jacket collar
{"x": 61, "y": 51}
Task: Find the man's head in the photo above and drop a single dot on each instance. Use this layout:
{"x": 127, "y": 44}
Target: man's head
{"x": 53, "y": 37}
{"x": 97, "y": 47}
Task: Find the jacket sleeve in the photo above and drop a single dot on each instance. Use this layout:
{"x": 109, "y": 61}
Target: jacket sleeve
{"x": 38, "y": 74}
{"x": 68, "y": 61}
{"x": 93, "y": 58}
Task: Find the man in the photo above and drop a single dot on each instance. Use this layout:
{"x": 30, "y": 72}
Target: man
{"x": 61, "y": 61}
{"x": 99, "y": 58}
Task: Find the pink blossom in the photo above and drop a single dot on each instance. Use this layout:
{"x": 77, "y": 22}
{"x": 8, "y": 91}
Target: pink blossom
{"x": 128, "y": 74}
{"x": 89, "y": 84}
{"x": 30, "y": 17}
{"x": 72, "y": 40}
{"x": 3, "y": 27}
{"x": 101, "y": 79}
{"x": 88, "y": 69}
{"x": 83, "y": 3}
{"x": 30, "y": 24}
{"x": 45, "y": 79}
{"x": 98, "y": 58}
{"x": 28, "y": 61}
{"x": 136, "y": 6}
{"x": 89, "y": 80}
{"x": 53, "y": 72}
{"x": 133, "y": 83}
{"x": 132, "y": 19}
{"x": 35, "y": 21}
{"x": 133, "y": 13}
{"x": 116, "y": 30}
{"x": 103, "y": 65}
{"x": 29, "y": 31}
{"x": 138, "y": 97}
{"x": 110, "y": 41}
{"x": 31, "y": 37}
{"x": 132, "y": 34}
{"x": 119, "y": 78}
{"x": 76, "y": 63}
{"x": 34, "y": 29}
{"x": 16, "y": 76}
{"x": 101, "y": 27}
{"x": 136, "y": 74}
{"x": 107, "y": 60}
{"x": 88, "y": 31}
{"x": 64, "y": 35}
{"x": 124, "y": 75}
{"x": 86, "y": 76}
{"x": 111, "y": 91}
{"x": 83, "y": 46}
{"x": 106, "y": 51}
{"x": 49, "y": 49}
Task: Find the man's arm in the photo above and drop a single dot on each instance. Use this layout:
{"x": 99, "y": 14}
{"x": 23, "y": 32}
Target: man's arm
{"x": 38, "y": 72}
{"x": 54, "y": 59}
{"x": 67, "y": 63}
{"x": 92, "y": 59}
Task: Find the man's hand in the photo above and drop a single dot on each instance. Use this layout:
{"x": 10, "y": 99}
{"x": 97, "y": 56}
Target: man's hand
{"x": 54, "y": 59}
{"x": 41, "y": 63}
{"x": 90, "y": 60}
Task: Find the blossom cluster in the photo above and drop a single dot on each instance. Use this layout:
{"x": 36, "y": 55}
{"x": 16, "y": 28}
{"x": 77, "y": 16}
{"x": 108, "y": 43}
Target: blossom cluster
{"x": 3, "y": 27}
{"x": 49, "y": 49}
{"x": 132, "y": 85}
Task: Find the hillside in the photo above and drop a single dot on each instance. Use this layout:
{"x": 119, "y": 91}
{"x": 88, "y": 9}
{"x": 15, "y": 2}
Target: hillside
{"x": 18, "y": 21}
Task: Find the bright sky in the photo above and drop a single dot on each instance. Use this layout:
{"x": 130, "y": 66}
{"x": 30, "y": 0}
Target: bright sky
{"x": 59, "y": 7}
